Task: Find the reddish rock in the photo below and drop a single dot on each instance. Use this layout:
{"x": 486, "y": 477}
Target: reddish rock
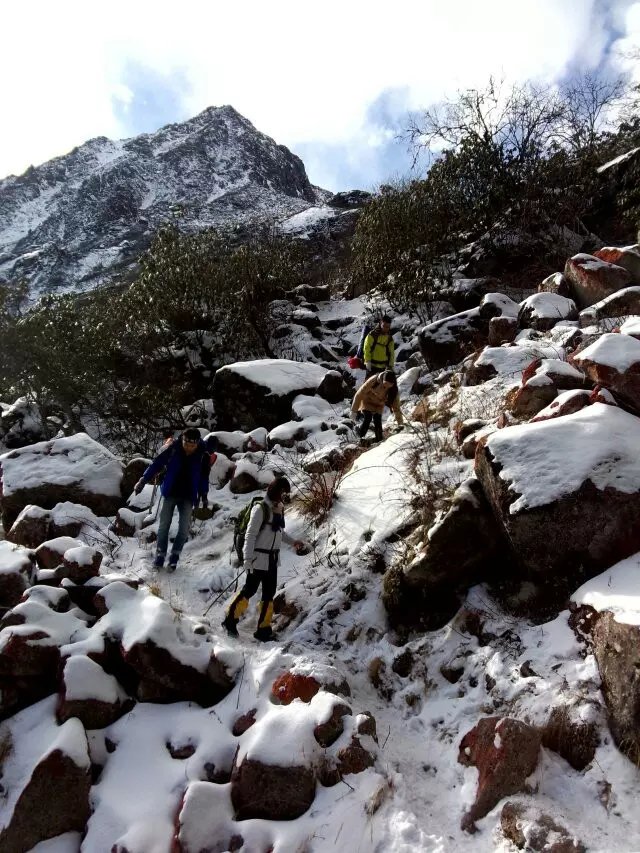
{"x": 290, "y": 686}
{"x": 367, "y": 725}
{"x": 502, "y": 330}
{"x": 602, "y": 395}
{"x": 565, "y": 403}
{"x": 55, "y": 800}
{"x": 270, "y": 792}
{"x": 613, "y": 361}
{"x": 463, "y": 429}
{"x": 592, "y": 279}
{"x": 505, "y": 752}
{"x": 533, "y": 398}
{"x": 543, "y": 834}
{"x": 94, "y": 712}
{"x": 23, "y": 655}
{"x": 627, "y": 257}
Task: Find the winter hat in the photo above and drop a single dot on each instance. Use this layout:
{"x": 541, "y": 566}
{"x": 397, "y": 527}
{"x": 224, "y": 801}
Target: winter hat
{"x": 191, "y": 434}
{"x": 386, "y": 318}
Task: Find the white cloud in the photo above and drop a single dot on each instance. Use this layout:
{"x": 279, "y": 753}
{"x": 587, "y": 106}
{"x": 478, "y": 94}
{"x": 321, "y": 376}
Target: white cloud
{"x": 303, "y": 73}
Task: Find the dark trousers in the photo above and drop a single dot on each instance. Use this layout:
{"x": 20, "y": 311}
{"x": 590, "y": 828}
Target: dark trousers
{"x": 269, "y": 581}
{"x": 367, "y": 417}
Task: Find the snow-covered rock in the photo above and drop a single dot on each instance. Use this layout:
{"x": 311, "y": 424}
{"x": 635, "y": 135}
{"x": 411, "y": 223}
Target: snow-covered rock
{"x": 75, "y": 469}
{"x": 566, "y": 490}
{"x": 259, "y": 393}
{"x": 613, "y": 361}
{"x": 90, "y": 694}
{"x": 45, "y": 777}
{"x": 34, "y": 525}
{"x": 619, "y": 304}
{"x": 448, "y": 341}
{"x": 17, "y": 573}
{"x": 555, "y": 283}
{"x": 627, "y": 257}
{"x": 542, "y": 311}
{"x": 21, "y": 424}
{"x": 592, "y": 279}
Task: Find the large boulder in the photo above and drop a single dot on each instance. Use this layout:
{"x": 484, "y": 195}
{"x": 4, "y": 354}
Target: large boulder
{"x": 555, "y": 283}
{"x": 541, "y": 382}
{"x": 592, "y": 279}
{"x": 248, "y": 394}
{"x": 448, "y": 341}
{"x": 331, "y": 388}
{"x": 619, "y": 304}
{"x": 35, "y": 525}
{"x": 627, "y": 257}
{"x": 505, "y": 752}
{"x": 21, "y": 424}
{"x": 613, "y": 361}
{"x": 17, "y": 573}
{"x": 565, "y": 491}
{"x": 271, "y": 792}
{"x": 460, "y": 550}
{"x": 46, "y": 769}
{"x": 90, "y": 694}
{"x": 542, "y": 311}
{"x": 76, "y": 469}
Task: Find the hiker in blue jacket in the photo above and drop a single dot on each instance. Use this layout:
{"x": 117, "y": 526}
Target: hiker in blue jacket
{"x": 186, "y": 481}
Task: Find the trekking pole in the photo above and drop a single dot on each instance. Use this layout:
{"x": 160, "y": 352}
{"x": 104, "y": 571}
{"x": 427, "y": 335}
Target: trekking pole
{"x": 220, "y": 594}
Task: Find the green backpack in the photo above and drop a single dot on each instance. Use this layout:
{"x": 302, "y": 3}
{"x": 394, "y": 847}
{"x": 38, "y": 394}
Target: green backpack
{"x": 242, "y": 521}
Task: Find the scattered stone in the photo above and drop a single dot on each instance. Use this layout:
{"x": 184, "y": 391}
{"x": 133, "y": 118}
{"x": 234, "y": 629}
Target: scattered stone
{"x": 327, "y": 733}
{"x": 592, "y": 279}
{"x": 575, "y": 741}
{"x": 244, "y": 722}
{"x": 270, "y": 792}
{"x": 290, "y": 686}
{"x": 527, "y": 828}
{"x": 542, "y": 311}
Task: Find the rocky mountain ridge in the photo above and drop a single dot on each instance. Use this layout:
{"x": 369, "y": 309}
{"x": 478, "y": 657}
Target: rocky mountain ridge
{"x": 74, "y": 221}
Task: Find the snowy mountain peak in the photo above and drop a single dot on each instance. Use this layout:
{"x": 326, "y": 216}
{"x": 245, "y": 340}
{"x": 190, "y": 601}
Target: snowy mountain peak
{"x": 74, "y": 221}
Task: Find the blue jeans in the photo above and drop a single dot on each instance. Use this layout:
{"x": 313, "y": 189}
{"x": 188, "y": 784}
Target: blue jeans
{"x": 185, "y": 508}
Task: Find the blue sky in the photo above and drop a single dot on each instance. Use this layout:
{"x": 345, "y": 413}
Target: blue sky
{"x": 332, "y": 81}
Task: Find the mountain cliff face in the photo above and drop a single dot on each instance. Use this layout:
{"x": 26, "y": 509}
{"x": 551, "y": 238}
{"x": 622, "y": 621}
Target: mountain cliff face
{"x": 74, "y": 221}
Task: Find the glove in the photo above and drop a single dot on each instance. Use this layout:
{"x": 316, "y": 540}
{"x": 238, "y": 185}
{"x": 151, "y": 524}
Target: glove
{"x": 367, "y": 364}
{"x": 139, "y": 486}
{"x": 247, "y": 566}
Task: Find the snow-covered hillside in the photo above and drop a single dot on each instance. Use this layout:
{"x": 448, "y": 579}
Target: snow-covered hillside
{"x": 74, "y": 221}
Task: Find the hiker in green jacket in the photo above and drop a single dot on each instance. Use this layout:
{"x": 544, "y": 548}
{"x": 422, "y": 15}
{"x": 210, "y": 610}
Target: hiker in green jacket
{"x": 379, "y": 349}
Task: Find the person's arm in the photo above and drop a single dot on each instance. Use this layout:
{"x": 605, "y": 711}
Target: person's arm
{"x": 357, "y": 399}
{"x": 156, "y": 466}
{"x": 367, "y": 349}
{"x": 397, "y": 411}
{"x": 256, "y": 520}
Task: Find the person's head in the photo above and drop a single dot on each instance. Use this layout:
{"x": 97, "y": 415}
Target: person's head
{"x": 190, "y": 440}
{"x": 278, "y": 488}
{"x": 211, "y": 443}
{"x": 385, "y": 323}
{"x": 388, "y": 378}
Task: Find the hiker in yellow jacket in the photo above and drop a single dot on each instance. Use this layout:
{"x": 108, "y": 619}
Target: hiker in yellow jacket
{"x": 379, "y": 349}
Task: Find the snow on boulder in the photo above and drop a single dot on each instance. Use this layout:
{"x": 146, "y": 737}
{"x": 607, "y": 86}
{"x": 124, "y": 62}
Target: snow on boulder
{"x": 50, "y": 554}
{"x": 527, "y": 828}
{"x": 254, "y": 471}
{"x": 620, "y": 304}
{"x": 448, "y": 341}
{"x": 631, "y": 327}
{"x": 17, "y": 573}
{"x": 172, "y": 663}
{"x": 566, "y": 403}
{"x": 566, "y": 490}
{"x": 627, "y": 257}
{"x": 81, "y": 563}
{"x": 45, "y": 778}
{"x": 76, "y": 469}
{"x": 21, "y": 424}
{"x": 34, "y": 525}
{"x": 541, "y": 382}
{"x": 613, "y": 361}
{"x": 205, "y": 820}
{"x": 509, "y": 361}
{"x": 591, "y": 279}
{"x": 238, "y": 441}
{"x": 248, "y": 394}
{"x": 542, "y": 311}
{"x": 90, "y": 694}
{"x": 497, "y": 305}
{"x": 555, "y": 283}
{"x": 505, "y": 752}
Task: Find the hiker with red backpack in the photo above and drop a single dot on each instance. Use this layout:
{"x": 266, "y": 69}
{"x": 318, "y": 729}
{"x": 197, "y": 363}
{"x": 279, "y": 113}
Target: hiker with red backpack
{"x": 261, "y": 554}
{"x": 186, "y": 482}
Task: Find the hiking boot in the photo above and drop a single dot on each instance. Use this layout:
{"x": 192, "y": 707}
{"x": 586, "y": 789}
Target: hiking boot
{"x": 230, "y": 626}
{"x": 173, "y": 564}
{"x": 264, "y": 634}
{"x": 158, "y": 563}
